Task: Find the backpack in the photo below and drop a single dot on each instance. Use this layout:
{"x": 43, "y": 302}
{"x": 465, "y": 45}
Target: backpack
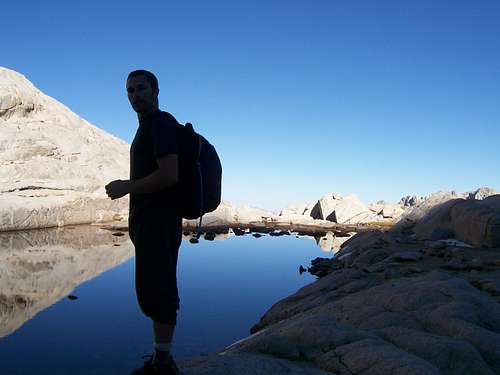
{"x": 200, "y": 175}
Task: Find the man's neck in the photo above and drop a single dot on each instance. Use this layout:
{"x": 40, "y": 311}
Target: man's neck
{"x": 143, "y": 115}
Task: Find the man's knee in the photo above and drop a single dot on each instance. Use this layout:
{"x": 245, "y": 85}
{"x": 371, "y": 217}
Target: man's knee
{"x": 167, "y": 316}
{"x": 160, "y": 313}
{"x": 160, "y": 305}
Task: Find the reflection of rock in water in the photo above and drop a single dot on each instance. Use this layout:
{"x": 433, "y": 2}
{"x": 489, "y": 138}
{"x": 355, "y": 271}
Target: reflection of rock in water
{"x": 331, "y": 241}
{"x": 328, "y": 242}
{"x": 40, "y": 267}
{"x": 223, "y": 236}
{"x": 188, "y": 236}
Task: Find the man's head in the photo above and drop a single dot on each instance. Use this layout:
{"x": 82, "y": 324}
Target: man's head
{"x": 142, "y": 90}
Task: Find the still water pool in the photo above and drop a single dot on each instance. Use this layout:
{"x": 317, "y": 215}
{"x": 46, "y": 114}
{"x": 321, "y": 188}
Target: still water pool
{"x": 225, "y": 287}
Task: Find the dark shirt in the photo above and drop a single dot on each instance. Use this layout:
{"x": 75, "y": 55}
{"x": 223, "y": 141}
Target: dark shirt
{"x": 157, "y": 136}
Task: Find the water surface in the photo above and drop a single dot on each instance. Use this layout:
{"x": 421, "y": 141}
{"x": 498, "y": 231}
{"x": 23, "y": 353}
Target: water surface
{"x": 225, "y": 287}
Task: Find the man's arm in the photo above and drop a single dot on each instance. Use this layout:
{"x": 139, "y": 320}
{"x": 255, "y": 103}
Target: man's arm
{"x": 167, "y": 175}
{"x": 166, "y": 139}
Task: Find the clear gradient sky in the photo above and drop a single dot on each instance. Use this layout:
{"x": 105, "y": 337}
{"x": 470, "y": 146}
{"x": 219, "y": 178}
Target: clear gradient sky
{"x": 300, "y": 98}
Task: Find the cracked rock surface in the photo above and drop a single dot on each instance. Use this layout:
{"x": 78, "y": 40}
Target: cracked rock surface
{"x": 245, "y": 364}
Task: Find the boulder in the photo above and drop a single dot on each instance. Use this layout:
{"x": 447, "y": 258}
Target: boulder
{"x": 470, "y": 221}
{"x": 308, "y": 209}
{"x": 493, "y": 202}
{"x": 343, "y": 210}
{"x": 228, "y": 214}
{"x": 392, "y": 211}
{"x": 476, "y": 224}
{"x": 296, "y": 209}
{"x": 325, "y": 206}
{"x": 386, "y": 210}
{"x": 419, "y": 210}
{"x": 377, "y": 207}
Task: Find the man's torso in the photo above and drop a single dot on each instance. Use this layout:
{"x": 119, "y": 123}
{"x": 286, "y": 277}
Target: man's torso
{"x": 143, "y": 155}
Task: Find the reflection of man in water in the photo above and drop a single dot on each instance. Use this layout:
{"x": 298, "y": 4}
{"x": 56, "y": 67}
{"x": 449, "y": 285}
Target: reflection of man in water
{"x": 155, "y": 227}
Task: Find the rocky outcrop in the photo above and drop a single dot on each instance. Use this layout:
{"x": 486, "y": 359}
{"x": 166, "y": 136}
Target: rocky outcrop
{"x": 421, "y": 206}
{"x": 482, "y": 193}
{"x": 420, "y": 209}
{"x": 347, "y": 210}
{"x": 387, "y": 210}
{"x": 391, "y": 211}
{"x": 343, "y": 210}
{"x": 53, "y": 164}
{"x": 245, "y": 364}
{"x": 350, "y": 210}
{"x": 302, "y": 209}
{"x": 476, "y": 222}
{"x": 228, "y": 214}
{"x": 391, "y": 304}
{"x": 394, "y": 302}
{"x": 33, "y": 263}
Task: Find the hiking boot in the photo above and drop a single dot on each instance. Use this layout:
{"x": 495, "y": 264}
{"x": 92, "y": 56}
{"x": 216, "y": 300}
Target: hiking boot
{"x": 150, "y": 368}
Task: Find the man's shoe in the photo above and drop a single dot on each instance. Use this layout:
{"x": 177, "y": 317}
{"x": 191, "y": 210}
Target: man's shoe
{"x": 150, "y": 368}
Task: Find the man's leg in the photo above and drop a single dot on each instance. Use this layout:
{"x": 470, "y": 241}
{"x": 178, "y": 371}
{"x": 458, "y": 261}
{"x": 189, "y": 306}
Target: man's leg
{"x": 165, "y": 301}
{"x": 157, "y": 242}
{"x": 163, "y": 334}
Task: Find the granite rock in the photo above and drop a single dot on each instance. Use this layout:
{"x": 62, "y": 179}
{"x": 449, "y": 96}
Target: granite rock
{"x": 343, "y": 210}
{"x": 53, "y": 164}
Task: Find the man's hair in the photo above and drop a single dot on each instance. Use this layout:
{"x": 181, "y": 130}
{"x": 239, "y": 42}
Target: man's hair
{"x": 153, "y": 81}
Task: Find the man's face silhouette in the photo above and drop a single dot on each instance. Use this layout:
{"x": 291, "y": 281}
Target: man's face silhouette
{"x": 141, "y": 95}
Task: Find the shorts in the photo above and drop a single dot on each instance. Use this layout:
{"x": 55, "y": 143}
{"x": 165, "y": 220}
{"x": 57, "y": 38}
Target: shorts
{"x": 157, "y": 237}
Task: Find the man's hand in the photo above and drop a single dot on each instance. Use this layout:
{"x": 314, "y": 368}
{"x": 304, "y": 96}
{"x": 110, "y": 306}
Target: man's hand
{"x": 118, "y": 188}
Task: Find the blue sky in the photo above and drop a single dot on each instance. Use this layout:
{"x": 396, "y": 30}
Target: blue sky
{"x": 300, "y": 98}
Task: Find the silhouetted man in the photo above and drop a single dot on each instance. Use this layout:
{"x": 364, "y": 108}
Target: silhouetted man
{"x": 155, "y": 226}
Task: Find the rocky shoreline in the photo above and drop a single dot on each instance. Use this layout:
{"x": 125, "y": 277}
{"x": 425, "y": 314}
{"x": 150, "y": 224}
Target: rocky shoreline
{"x": 272, "y": 229}
{"x": 390, "y": 302}
{"x": 404, "y": 299}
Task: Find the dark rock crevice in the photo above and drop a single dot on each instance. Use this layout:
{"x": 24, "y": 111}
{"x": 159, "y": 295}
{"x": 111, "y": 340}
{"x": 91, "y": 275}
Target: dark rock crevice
{"x": 34, "y": 187}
